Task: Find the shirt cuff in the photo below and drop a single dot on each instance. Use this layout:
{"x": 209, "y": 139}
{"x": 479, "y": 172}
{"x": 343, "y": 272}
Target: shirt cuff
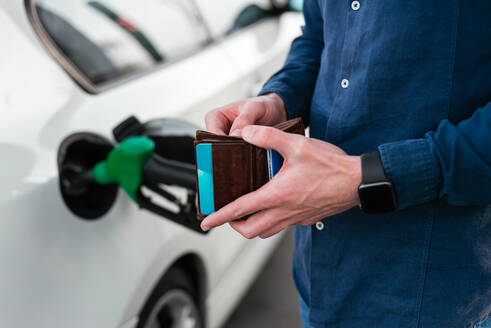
{"x": 294, "y": 105}
{"x": 413, "y": 170}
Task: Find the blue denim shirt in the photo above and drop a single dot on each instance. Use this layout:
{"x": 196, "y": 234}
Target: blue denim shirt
{"x": 417, "y": 88}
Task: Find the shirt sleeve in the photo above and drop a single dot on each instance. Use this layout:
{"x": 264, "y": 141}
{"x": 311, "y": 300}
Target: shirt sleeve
{"x": 295, "y": 82}
{"x": 453, "y": 162}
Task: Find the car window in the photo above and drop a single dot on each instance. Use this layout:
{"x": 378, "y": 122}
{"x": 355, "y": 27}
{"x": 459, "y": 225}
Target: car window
{"x": 107, "y": 40}
{"x": 226, "y": 17}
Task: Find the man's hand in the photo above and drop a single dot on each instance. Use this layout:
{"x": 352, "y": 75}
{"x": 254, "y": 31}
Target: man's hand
{"x": 264, "y": 110}
{"x": 317, "y": 180}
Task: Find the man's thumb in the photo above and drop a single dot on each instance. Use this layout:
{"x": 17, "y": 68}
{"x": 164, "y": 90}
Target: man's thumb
{"x": 240, "y": 122}
{"x": 269, "y": 138}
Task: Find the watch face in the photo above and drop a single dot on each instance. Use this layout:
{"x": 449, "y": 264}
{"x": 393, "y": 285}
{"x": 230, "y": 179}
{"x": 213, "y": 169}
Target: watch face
{"x": 377, "y": 197}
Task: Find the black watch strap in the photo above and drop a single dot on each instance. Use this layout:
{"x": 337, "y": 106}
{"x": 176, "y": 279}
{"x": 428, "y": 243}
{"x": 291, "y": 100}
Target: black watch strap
{"x": 372, "y": 168}
{"x": 377, "y": 194}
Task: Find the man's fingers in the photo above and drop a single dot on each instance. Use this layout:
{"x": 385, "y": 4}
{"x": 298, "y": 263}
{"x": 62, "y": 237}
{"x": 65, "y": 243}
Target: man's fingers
{"x": 271, "y": 138}
{"x": 305, "y": 223}
{"x": 259, "y": 222}
{"x": 277, "y": 228}
{"x": 241, "y": 207}
{"x": 244, "y": 119}
{"x": 292, "y": 219}
{"x": 217, "y": 122}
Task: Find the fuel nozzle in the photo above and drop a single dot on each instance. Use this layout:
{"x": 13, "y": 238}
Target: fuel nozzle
{"x": 124, "y": 165}
{"x": 134, "y": 166}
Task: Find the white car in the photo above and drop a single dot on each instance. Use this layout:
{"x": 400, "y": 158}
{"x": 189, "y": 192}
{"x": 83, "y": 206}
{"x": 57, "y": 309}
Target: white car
{"x": 70, "y": 71}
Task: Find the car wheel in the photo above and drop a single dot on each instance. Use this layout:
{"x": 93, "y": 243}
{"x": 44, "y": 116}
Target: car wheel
{"x": 173, "y": 304}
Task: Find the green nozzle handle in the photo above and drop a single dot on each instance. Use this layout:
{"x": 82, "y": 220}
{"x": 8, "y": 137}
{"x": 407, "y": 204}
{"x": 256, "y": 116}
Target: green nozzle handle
{"x": 124, "y": 165}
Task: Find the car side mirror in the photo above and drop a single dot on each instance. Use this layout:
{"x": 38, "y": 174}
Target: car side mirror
{"x": 296, "y": 5}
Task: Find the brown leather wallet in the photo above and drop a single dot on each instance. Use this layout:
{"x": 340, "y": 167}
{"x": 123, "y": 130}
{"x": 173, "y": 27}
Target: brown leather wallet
{"x": 237, "y": 167}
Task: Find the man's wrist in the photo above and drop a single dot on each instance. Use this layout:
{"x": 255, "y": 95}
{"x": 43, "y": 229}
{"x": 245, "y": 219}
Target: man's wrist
{"x": 354, "y": 176}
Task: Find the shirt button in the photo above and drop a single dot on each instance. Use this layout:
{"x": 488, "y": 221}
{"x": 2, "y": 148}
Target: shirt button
{"x": 355, "y": 5}
{"x": 344, "y": 83}
{"x": 319, "y": 225}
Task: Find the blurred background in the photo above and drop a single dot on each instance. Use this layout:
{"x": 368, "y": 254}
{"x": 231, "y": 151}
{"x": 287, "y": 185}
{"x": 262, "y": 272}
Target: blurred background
{"x": 272, "y": 298}
{"x": 79, "y": 78}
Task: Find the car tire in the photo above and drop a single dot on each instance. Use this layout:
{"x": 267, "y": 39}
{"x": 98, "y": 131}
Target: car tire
{"x": 172, "y": 304}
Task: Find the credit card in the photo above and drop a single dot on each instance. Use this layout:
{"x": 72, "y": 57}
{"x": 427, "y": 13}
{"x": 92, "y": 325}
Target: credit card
{"x": 204, "y": 165}
{"x": 275, "y": 162}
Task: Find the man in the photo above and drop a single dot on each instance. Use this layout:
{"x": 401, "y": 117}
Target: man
{"x": 406, "y": 84}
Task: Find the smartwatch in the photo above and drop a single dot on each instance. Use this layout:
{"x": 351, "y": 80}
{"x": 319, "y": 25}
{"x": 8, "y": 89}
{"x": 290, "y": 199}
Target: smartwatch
{"x": 377, "y": 194}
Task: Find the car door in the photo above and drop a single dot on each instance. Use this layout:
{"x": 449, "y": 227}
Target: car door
{"x": 125, "y": 60}
{"x": 188, "y": 76}
{"x": 256, "y": 35}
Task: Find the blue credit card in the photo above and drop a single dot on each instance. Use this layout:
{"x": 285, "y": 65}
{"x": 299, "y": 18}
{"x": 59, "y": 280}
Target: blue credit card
{"x": 204, "y": 165}
{"x": 275, "y": 162}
